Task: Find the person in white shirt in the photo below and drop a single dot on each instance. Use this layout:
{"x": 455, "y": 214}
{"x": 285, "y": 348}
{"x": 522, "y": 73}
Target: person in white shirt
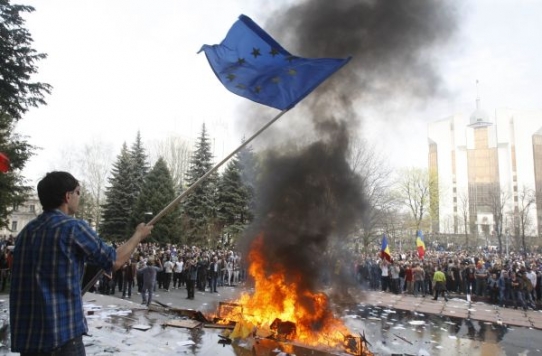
{"x": 178, "y": 281}
{"x": 168, "y": 273}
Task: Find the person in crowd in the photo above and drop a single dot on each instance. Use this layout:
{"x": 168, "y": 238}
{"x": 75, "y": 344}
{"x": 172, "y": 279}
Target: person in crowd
{"x": 428, "y": 279}
{"x": 128, "y": 274}
{"x": 214, "y": 272}
{"x": 504, "y": 288}
{"x": 4, "y": 267}
{"x": 191, "y": 277}
{"x": 481, "y": 279}
{"x": 527, "y": 289}
{"x": 142, "y": 262}
{"x": 394, "y": 269}
{"x": 451, "y": 279}
{"x": 517, "y": 290}
{"x": 385, "y": 274}
{"x": 46, "y": 306}
{"x": 149, "y": 273}
{"x": 408, "y": 279}
{"x": 439, "y": 282}
{"x": 418, "y": 275}
{"x": 531, "y": 275}
{"x": 178, "y": 280}
{"x": 401, "y": 277}
{"x": 168, "y": 272}
{"x": 470, "y": 279}
{"x": 493, "y": 288}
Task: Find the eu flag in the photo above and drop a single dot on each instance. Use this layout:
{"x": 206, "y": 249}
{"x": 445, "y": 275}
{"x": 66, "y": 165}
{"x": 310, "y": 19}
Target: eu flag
{"x": 253, "y": 65}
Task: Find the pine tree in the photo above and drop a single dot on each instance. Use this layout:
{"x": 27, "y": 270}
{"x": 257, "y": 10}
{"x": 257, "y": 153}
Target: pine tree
{"x": 120, "y": 197}
{"x": 17, "y": 95}
{"x": 199, "y": 207}
{"x": 233, "y": 200}
{"x": 139, "y": 167}
{"x": 156, "y": 193}
{"x": 248, "y": 169}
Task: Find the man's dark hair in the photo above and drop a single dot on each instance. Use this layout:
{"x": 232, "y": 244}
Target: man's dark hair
{"x": 53, "y": 187}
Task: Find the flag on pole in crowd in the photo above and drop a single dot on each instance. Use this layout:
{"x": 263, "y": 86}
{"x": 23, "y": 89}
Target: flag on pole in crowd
{"x": 420, "y": 245}
{"x": 250, "y": 63}
{"x": 4, "y": 163}
{"x": 385, "y": 250}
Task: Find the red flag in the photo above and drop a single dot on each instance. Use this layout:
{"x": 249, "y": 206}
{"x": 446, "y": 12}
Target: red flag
{"x": 4, "y": 163}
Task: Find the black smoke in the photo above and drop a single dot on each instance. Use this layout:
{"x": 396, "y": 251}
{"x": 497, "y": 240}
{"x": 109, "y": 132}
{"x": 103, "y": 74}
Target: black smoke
{"x": 308, "y": 197}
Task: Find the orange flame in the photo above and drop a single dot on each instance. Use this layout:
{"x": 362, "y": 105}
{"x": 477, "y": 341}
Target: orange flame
{"x": 277, "y": 296}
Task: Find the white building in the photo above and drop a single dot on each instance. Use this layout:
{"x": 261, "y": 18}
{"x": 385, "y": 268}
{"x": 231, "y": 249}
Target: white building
{"x": 481, "y": 158}
{"x": 21, "y": 215}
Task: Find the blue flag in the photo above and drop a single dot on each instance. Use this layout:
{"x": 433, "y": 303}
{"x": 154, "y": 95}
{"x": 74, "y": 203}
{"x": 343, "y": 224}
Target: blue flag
{"x": 253, "y": 65}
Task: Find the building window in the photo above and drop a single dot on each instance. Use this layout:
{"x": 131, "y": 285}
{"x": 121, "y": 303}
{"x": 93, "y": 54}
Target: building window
{"x": 32, "y": 208}
{"x": 14, "y": 226}
{"x": 15, "y": 207}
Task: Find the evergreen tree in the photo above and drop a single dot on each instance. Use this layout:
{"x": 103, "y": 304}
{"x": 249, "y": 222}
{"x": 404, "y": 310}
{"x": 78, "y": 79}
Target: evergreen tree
{"x": 17, "y": 95}
{"x": 248, "y": 170}
{"x": 199, "y": 206}
{"x": 233, "y": 202}
{"x": 156, "y": 193}
{"x": 119, "y": 199}
{"x": 138, "y": 172}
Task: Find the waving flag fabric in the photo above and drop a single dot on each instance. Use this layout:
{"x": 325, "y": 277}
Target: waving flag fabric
{"x": 385, "y": 250}
{"x": 253, "y": 65}
{"x": 4, "y": 163}
{"x": 420, "y": 245}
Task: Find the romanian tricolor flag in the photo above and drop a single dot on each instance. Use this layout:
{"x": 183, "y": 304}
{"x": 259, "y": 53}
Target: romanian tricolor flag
{"x": 420, "y": 245}
{"x": 385, "y": 250}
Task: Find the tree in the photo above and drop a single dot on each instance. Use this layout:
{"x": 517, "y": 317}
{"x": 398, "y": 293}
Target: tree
{"x": 119, "y": 199}
{"x": 156, "y": 193}
{"x": 463, "y": 209}
{"x": 497, "y": 202}
{"x": 139, "y": 167}
{"x": 199, "y": 206}
{"x": 368, "y": 163}
{"x": 248, "y": 170}
{"x": 18, "y": 93}
{"x": 414, "y": 189}
{"x": 176, "y": 153}
{"x": 233, "y": 202}
{"x": 95, "y": 169}
{"x": 526, "y": 200}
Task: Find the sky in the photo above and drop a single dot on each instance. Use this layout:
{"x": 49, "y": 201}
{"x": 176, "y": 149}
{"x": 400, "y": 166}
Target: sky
{"x": 126, "y": 66}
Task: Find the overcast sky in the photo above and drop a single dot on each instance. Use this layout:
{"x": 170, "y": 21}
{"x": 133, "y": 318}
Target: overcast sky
{"x": 122, "y": 66}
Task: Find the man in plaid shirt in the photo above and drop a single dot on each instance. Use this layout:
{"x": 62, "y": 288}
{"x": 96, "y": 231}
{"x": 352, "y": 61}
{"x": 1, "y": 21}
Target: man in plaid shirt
{"x": 46, "y": 306}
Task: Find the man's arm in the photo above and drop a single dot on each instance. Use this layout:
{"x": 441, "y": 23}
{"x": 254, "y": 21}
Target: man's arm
{"x": 125, "y": 250}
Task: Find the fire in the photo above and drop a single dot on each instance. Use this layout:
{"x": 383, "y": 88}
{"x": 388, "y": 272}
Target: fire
{"x": 277, "y": 297}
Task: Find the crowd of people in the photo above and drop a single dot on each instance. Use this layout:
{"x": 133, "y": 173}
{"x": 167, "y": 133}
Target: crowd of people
{"x": 153, "y": 267}
{"x": 513, "y": 281}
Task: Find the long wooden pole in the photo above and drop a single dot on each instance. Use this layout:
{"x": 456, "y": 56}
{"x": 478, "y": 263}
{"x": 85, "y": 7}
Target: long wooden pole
{"x": 189, "y": 190}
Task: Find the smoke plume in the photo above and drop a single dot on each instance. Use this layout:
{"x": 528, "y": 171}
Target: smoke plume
{"x": 308, "y": 196}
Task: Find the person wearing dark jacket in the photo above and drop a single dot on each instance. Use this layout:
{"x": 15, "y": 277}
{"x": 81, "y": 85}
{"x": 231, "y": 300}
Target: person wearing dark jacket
{"x": 128, "y": 274}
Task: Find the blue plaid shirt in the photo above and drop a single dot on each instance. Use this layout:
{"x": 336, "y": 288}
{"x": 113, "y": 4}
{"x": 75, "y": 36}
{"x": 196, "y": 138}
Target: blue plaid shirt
{"x": 46, "y": 306}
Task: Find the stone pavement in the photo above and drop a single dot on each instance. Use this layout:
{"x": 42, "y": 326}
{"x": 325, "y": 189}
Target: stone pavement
{"x": 458, "y": 308}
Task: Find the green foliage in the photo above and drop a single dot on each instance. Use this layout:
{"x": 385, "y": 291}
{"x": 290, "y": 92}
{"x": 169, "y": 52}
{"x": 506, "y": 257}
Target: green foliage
{"x": 139, "y": 168}
{"x": 120, "y": 198}
{"x": 17, "y": 94}
{"x": 156, "y": 193}
{"x": 233, "y": 202}
{"x": 199, "y": 206}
